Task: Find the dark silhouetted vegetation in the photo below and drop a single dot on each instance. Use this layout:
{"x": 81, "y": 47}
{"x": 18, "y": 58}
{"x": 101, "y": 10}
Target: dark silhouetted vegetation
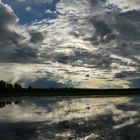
{"x": 16, "y": 90}
{"x": 4, "y": 85}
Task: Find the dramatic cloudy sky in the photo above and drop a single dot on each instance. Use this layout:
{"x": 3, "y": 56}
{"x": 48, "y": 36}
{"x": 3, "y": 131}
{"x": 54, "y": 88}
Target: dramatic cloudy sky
{"x": 70, "y": 43}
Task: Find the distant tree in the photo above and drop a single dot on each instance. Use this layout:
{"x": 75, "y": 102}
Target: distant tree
{"x": 29, "y": 87}
{"x": 9, "y": 86}
{"x": 3, "y": 84}
{"x": 17, "y": 86}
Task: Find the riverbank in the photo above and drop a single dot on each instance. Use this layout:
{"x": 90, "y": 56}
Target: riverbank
{"x": 68, "y": 92}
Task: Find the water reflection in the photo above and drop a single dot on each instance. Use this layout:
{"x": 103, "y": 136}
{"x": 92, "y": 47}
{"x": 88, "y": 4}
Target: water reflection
{"x": 80, "y": 119}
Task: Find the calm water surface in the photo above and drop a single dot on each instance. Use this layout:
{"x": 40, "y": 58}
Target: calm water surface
{"x": 71, "y": 119}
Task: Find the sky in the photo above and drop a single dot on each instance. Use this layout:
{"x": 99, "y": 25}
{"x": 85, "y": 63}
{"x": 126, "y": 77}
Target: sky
{"x": 70, "y": 43}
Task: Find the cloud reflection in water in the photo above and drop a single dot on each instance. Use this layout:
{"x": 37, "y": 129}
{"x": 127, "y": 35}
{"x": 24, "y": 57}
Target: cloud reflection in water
{"x": 82, "y": 119}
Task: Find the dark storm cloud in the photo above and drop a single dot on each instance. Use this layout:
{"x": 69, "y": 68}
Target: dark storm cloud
{"x": 14, "y": 46}
{"x": 135, "y": 83}
{"x": 24, "y": 54}
{"x": 101, "y": 28}
{"x": 7, "y": 18}
{"x": 81, "y": 57}
{"x": 134, "y": 15}
{"x": 98, "y": 59}
{"x": 94, "y": 2}
{"x": 36, "y": 37}
{"x": 128, "y": 38}
{"x": 119, "y": 29}
{"x": 7, "y": 36}
{"x": 128, "y": 50}
{"x": 6, "y": 15}
{"x": 103, "y": 31}
{"x": 125, "y": 74}
{"x": 62, "y": 58}
{"x": 128, "y": 26}
{"x": 125, "y": 26}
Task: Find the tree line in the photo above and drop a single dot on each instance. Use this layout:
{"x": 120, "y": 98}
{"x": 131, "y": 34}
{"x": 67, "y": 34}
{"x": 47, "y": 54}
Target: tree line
{"x": 5, "y": 85}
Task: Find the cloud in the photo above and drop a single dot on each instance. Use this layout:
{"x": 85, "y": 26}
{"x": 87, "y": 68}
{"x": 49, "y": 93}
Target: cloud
{"x": 48, "y": 11}
{"x": 17, "y": 44}
{"x": 126, "y": 5}
{"x": 100, "y": 37}
{"x": 7, "y": 36}
{"x": 109, "y": 33}
{"x": 36, "y": 37}
{"x": 36, "y": 1}
{"x": 39, "y": 75}
{"x": 28, "y": 9}
{"x": 86, "y": 29}
{"x": 44, "y": 83}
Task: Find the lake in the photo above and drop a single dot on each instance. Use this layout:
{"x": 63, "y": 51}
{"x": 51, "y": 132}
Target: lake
{"x": 104, "y": 118}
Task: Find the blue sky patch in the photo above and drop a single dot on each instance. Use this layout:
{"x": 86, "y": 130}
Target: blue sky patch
{"x": 30, "y": 11}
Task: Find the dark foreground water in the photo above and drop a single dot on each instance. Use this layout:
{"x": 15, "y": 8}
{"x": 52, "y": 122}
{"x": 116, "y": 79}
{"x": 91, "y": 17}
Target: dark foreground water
{"x": 71, "y": 119}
